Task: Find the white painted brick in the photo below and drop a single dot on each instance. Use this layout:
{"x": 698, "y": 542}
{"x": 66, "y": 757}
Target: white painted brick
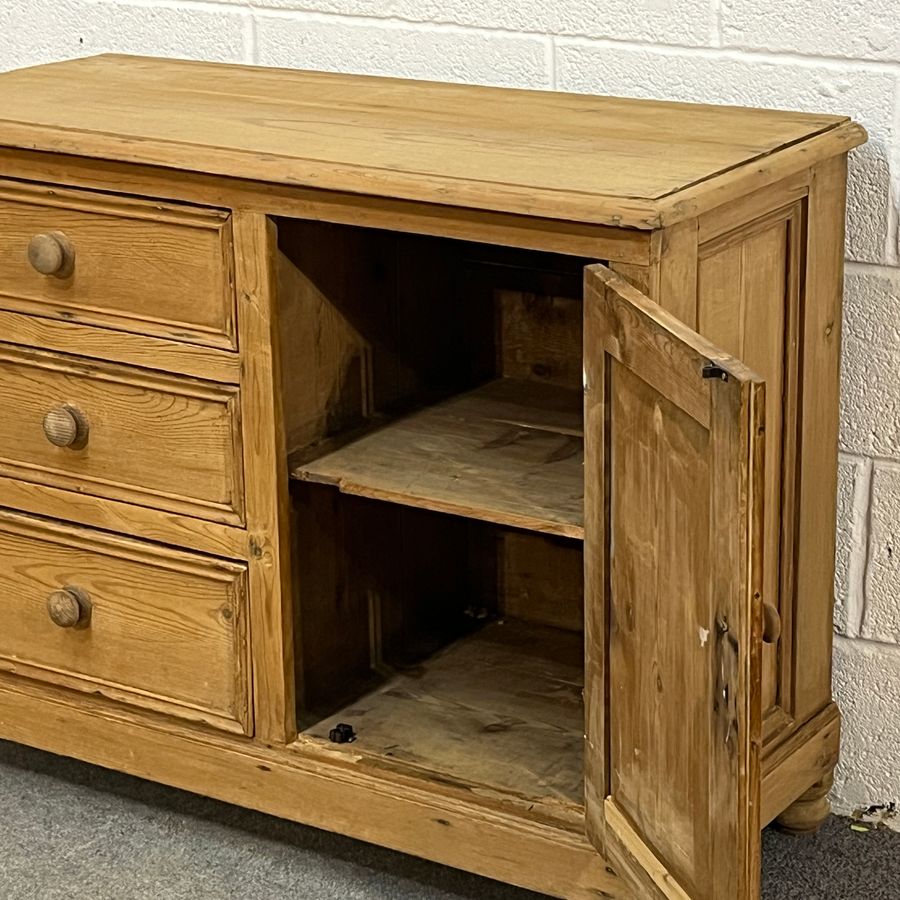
{"x": 858, "y": 30}
{"x": 410, "y": 52}
{"x": 868, "y": 204}
{"x": 867, "y": 688}
{"x": 854, "y": 476}
{"x": 657, "y": 21}
{"x": 39, "y": 31}
{"x": 848, "y": 474}
{"x": 881, "y": 621}
{"x": 709, "y": 77}
{"x": 870, "y": 375}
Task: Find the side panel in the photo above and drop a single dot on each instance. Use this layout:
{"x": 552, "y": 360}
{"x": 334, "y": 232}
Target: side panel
{"x": 769, "y": 282}
{"x": 819, "y": 417}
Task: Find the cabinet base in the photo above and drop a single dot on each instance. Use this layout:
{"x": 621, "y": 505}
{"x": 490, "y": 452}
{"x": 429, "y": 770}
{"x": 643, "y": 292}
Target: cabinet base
{"x": 446, "y": 823}
{"x": 809, "y": 811}
{"x": 432, "y": 821}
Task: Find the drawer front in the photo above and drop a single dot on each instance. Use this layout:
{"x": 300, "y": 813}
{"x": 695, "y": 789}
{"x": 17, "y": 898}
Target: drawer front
{"x": 153, "y": 440}
{"x": 127, "y": 264}
{"x": 156, "y": 628}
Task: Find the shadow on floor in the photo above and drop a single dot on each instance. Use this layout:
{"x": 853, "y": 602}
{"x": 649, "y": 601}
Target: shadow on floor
{"x": 74, "y": 831}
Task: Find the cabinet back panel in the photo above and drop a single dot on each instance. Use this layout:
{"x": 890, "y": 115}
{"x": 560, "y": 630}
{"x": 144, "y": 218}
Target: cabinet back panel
{"x": 381, "y": 586}
{"x": 375, "y": 323}
{"x": 542, "y": 579}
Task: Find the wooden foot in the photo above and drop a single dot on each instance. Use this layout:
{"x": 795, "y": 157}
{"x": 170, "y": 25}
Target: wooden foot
{"x": 809, "y": 811}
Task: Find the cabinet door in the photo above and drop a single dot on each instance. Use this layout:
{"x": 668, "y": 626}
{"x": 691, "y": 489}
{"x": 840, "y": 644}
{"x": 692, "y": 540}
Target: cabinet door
{"x": 674, "y": 432}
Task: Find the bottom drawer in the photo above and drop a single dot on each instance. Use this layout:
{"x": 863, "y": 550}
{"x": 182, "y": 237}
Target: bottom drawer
{"x": 157, "y": 628}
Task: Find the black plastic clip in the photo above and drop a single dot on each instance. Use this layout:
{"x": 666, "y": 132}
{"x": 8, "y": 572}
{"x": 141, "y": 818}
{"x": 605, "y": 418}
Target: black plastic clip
{"x": 711, "y": 370}
{"x": 342, "y": 734}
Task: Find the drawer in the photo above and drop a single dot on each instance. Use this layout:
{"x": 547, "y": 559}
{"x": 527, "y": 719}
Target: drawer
{"x": 127, "y": 264}
{"x": 156, "y": 628}
{"x": 153, "y": 440}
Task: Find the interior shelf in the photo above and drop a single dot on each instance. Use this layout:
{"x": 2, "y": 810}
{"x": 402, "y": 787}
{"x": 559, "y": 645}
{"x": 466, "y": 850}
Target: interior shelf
{"x": 510, "y": 452}
{"x": 502, "y": 708}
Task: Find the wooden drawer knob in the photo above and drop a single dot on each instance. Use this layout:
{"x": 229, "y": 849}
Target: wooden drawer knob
{"x": 66, "y": 426}
{"x": 771, "y": 624}
{"x": 52, "y": 254}
{"x": 69, "y": 608}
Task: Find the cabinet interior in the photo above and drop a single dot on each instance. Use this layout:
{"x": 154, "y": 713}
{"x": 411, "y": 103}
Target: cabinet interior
{"x": 433, "y": 416}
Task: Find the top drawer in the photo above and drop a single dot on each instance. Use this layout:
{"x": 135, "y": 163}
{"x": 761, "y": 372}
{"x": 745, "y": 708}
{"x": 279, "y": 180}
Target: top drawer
{"x": 133, "y": 265}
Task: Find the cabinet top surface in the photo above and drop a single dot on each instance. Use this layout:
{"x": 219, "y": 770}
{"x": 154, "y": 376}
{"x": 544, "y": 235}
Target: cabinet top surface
{"x": 564, "y": 156}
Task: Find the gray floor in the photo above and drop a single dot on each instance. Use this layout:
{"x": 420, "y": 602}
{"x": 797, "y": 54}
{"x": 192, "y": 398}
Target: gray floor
{"x": 69, "y": 830}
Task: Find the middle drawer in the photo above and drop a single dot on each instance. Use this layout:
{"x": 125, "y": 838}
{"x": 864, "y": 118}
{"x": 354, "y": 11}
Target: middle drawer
{"x": 160, "y": 441}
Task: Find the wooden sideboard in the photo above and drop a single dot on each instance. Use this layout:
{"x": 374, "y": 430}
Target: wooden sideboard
{"x": 450, "y": 467}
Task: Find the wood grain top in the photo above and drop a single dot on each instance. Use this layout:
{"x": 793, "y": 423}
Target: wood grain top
{"x": 566, "y": 156}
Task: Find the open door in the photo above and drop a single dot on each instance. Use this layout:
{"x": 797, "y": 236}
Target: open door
{"x": 673, "y": 550}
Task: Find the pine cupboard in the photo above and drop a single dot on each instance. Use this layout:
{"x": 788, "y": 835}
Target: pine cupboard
{"x": 449, "y": 467}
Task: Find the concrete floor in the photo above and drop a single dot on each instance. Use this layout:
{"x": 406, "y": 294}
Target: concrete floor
{"x": 73, "y": 831}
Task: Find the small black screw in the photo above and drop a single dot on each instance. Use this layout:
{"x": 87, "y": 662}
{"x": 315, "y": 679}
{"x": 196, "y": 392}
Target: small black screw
{"x": 342, "y": 734}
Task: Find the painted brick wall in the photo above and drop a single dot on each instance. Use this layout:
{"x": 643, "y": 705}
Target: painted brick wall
{"x": 824, "y": 55}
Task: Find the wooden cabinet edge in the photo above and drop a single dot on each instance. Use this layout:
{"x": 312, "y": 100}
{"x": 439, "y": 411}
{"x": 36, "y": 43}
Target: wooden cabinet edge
{"x": 622, "y": 239}
{"x": 820, "y": 332}
{"x": 611, "y": 242}
{"x": 620, "y": 211}
{"x": 266, "y": 479}
{"x": 730, "y": 185}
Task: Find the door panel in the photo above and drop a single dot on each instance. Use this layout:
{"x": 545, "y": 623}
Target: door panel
{"x": 674, "y": 493}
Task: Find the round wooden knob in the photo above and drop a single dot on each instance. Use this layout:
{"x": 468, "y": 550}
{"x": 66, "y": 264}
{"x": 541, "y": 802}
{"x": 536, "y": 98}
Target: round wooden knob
{"x": 66, "y": 426}
{"x": 51, "y": 254}
{"x": 69, "y": 607}
{"x": 771, "y": 624}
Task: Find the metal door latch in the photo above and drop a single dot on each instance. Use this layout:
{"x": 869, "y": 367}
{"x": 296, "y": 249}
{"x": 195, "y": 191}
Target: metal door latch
{"x": 711, "y": 370}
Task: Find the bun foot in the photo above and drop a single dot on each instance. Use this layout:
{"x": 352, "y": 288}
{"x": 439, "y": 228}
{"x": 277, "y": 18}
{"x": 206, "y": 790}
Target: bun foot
{"x": 808, "y": 812}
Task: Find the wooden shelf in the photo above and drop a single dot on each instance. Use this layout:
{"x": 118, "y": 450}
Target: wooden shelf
{"x": 510, "y": 452}
{"x": 501, "y": 709}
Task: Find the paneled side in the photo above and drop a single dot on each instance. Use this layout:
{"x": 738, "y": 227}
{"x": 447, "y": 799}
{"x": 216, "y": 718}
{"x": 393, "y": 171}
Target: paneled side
{"x": 818, "y": 400}
{"x": 748, "y": 298}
